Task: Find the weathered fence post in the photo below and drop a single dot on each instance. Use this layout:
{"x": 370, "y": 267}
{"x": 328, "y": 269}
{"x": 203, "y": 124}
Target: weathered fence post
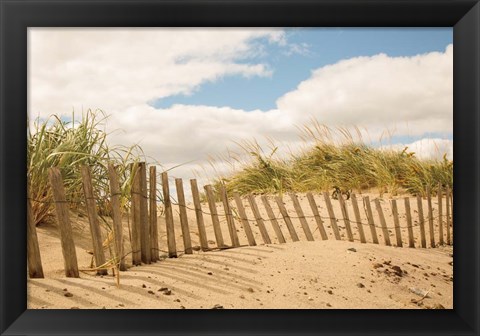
{"x": 244, "y": 220}
{"x": 155, "y": 251}
{"x": 273, "y": 220}
{"x": 64, "y": 225}
{"x": 451, "y": 208}
{"x": 136, "y": 210}
{"x": 199, "y": 215}
{"x": 358, "y": 219}
{"x": 451, "y": 204}
{"x": 301, "y": 217}
{"x": 116, "y": 216}
{"x": 213, "y": 212}
{"x": 430, "y": 217}
{"x": 34, "y": 260}
{"x": 421, "y": 221}
{"x": 228, "y": 214}
{"x": 386, "y": 235}
{"x": 182, "y": 206}
{"x": 146, "y": 249}
{"x": 93, "y": 219}
{"x": 331, "y": 215}
{"x": 316, "y": 215}
{"x": 346, "y": 218}
{"x": 440, "y": 214}
{"x": 396, "y": 223}
{"x": 411, "y": 240}
{"x": 286, "y": 218}
{"x": 172, "y": 248}
{"x": 258, "y": 218}
{"x": 447, "y": 197}
{"x": 371, "y": 221}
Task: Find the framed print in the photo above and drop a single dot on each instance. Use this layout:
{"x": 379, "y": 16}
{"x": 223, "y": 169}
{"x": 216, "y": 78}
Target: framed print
{"x": 239, "y": 167}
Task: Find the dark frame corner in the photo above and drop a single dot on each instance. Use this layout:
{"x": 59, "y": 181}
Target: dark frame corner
{"x": 17, "y": 15}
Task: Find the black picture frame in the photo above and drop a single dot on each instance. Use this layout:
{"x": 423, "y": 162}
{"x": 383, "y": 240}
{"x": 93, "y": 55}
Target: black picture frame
{"x": 17, "y": 15}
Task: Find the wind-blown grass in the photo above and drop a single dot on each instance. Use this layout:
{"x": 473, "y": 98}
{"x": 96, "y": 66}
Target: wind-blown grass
{"x": 335, "y": 158}
{"x": 69, "y": 145}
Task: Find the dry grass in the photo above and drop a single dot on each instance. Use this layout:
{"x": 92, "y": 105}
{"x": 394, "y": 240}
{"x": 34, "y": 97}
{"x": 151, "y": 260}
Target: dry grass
{"x": 69, "y": 145}
{"x": 333, "y": 157}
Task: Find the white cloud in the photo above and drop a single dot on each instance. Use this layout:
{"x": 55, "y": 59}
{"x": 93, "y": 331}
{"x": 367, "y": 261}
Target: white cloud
{"x": 298, "y": 48}
{"x": 411, "y": 94}
{"x": 183, "y": 133}
{"x": 114, "y": 69}
{"x": 427, "y": 148}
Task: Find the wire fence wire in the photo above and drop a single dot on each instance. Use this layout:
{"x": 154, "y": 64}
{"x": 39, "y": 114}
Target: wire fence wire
{"x": 223, "y": 216}
{"x": 279, "y": 217}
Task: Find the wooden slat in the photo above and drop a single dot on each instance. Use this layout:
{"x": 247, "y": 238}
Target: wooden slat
{"x": 371, "y": 220}
{"x": 135, "y": 196}
{"x": 440, "y": 214}
{"x": 421, "y": 221}
{"x": 408, "y": 213}
{"x": 145, "y": 247}
{"x": 170, "y": 227}
{"x": 273, "y": 220}
{"x": 316, "y": 215}
{"x": 447, "y": 214}
{"x": 396, "y": 223}
{"x": 258, "y": 218}
{"x": 152, "y": 215}
{"x": 331, "y": 215}
{"x": 64, "y": 225}
{"x": 95, "y": 232}
{"x": 346, "y": 218}
{"x": 116, "y": 216}
{"x": 34, "y": 260}
{"x": 244, "y": 220}
{"x": 182, "y": 207}
{"x": 451, "y": 212}
{"x": 451, "y": 203}
{"x": 386, "y": 235}
{"x": 358, "y": 218}
{"x": 202, "y": 234}
{"x": 301, "y": 217}
{"x": 286, "y": 218}
{"x": 213, "y": 212}
{"x": 430, "y": 217}
{"x": 228, "y": 214}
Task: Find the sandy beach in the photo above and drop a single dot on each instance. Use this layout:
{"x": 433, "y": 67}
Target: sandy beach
{"x": 320, "y": 274}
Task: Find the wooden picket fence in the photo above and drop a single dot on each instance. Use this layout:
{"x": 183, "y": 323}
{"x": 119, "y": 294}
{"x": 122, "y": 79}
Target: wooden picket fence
{"x": 145, "y": 242}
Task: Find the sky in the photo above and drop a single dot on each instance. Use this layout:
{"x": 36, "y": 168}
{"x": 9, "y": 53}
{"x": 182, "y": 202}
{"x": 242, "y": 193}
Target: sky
{"x": 188, "y": 94}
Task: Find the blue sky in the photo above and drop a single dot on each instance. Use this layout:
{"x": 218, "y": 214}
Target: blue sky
{"x": 188, "y": 94}
{"x": 320, "y": 47}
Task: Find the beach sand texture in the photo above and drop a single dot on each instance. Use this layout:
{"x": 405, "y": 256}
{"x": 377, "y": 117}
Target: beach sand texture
{"x": 305, "y": 274}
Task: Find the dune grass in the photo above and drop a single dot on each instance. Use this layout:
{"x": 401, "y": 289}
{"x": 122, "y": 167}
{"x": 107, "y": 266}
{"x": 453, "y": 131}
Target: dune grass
{"x": 69, "y": 145}
{"x": 334, "y": 158}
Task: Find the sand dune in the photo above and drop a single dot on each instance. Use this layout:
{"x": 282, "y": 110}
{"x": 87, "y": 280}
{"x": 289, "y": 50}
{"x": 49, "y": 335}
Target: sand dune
{"x": 319, "y": 274}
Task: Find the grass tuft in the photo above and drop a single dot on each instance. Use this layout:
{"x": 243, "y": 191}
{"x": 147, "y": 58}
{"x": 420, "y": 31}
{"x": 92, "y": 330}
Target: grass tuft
{"x": 333, "y": 158}
{"x": 69, "y": 145}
